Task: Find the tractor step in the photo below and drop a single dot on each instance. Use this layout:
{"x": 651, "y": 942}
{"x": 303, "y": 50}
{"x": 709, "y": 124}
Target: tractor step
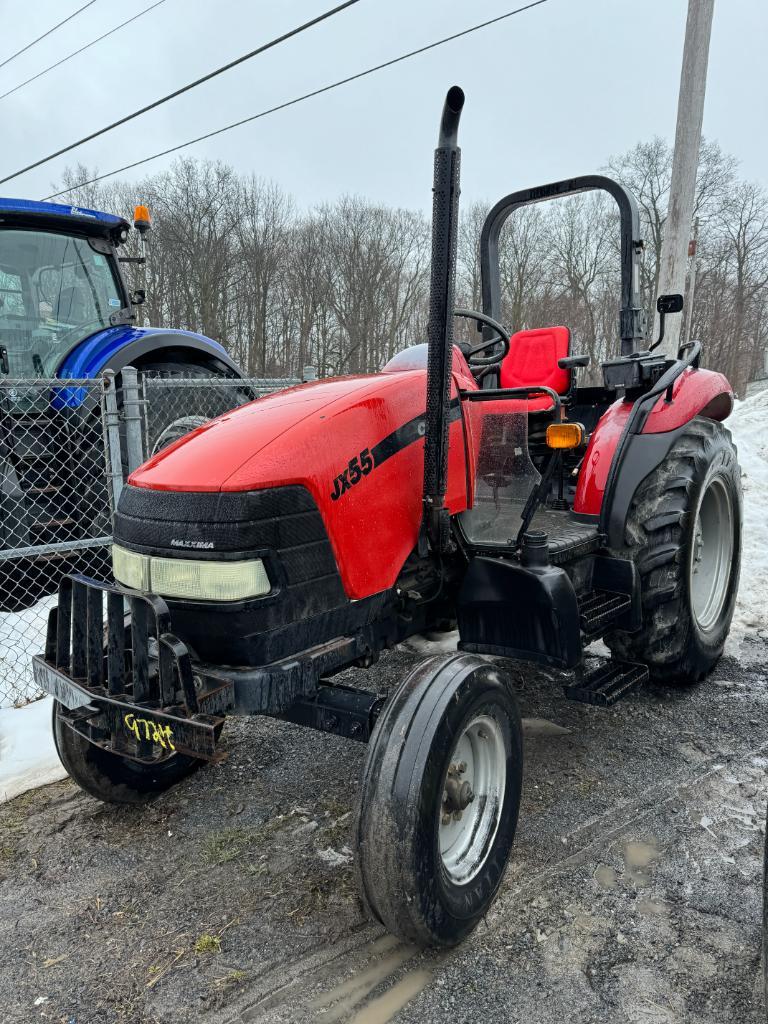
{"x": 607, "y": 683}
{"x": 46, "y": 524}
{"x": 49, "y": 489}
{"x": 600, "y": 608}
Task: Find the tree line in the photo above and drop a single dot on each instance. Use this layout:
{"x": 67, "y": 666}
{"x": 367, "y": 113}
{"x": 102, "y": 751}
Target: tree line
{"x": 344, "y": 285}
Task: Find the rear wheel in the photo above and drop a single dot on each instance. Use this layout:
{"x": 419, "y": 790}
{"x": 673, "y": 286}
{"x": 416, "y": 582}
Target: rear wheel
{"x": 174, "y": 412}
{"x": 111, "y": 777}
{"x": 684, "y": 535}
{"x": 439, "y": 800}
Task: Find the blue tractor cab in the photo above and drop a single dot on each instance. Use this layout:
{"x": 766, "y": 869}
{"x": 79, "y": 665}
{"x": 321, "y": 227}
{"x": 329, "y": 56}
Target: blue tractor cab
{"x": 66, "y": 312}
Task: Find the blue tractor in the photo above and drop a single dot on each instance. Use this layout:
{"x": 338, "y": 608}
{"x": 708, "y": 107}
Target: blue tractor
{"x": 66, "y": 312}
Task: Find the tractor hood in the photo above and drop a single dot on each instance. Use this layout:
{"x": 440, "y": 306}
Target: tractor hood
{"x": 306, "y": 433}
{"x": 355, "y": 444}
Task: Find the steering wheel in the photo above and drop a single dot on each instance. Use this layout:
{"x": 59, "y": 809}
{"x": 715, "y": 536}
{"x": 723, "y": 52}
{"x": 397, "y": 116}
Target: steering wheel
{"x": 472, "y": 356}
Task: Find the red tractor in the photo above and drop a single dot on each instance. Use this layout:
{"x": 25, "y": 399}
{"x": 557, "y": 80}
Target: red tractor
{"x": 478, "y": 486}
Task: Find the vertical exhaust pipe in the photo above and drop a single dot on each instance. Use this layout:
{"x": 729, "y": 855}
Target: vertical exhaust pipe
{"x": 445, "y": 223}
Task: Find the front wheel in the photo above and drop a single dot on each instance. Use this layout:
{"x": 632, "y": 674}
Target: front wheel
{"x": 111, "y": 777}
{"x": 684, "y": 535}
{"x": 439, "y": 800}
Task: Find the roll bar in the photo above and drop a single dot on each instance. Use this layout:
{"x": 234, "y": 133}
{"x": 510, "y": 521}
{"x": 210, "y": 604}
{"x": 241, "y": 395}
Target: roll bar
{"x": 632, "y": 327}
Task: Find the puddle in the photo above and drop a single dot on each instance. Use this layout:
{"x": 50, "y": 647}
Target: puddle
{"x": 638, "y": 858}
{"x": 651, "y": 908}
{"x": 384, "y": 1008}
{"x": 343, "y": 998}
{"x": 543, "y": 727}
{"x": 605, "y": 876}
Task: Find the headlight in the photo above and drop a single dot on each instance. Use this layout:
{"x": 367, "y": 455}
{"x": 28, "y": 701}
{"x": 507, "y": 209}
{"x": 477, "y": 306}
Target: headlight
{"x": 195, "y": 579}
{"x": 208, "y": 581}
{"x": 130, "y": 568}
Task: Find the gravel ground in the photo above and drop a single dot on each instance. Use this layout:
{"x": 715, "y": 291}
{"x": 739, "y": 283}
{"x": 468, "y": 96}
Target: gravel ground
{"x": 633, "y": 893}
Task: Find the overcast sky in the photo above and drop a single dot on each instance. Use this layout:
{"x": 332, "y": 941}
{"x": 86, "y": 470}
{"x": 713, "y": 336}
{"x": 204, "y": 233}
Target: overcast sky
{"x": 551, "y": 92}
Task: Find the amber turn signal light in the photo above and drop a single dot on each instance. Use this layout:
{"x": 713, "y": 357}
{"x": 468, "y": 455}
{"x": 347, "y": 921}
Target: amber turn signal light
{"x": 565, "y": 435}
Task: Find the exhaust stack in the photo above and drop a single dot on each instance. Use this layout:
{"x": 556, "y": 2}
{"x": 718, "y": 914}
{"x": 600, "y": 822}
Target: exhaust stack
{"x": 445, "y": 222}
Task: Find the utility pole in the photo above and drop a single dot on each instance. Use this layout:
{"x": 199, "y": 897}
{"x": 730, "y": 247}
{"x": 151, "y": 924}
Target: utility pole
{"x": 693, "y": 248}
{"x": 685, "y": 162}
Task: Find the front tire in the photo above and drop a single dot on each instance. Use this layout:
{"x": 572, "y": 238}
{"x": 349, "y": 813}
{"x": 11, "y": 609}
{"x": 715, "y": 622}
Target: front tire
{"x": 439, "y": 800}
{"x": 110, "y": 777}
{"x": 684, "y": 535}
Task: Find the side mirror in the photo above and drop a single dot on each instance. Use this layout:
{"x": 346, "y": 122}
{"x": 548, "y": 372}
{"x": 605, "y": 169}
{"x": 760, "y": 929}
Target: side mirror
{"x": 139, "y": 297}
{"x": 666, "y": 304}
{"x": 669, "y": 304}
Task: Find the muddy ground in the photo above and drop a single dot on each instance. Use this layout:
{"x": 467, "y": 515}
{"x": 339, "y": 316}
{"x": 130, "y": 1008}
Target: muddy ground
{"x": 633, "y": 894}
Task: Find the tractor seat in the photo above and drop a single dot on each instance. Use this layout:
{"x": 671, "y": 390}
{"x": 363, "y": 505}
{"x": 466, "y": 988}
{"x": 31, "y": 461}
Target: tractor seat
{"x": 532, "y": 359}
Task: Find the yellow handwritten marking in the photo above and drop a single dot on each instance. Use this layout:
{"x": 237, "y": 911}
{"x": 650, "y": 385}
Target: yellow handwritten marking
{"x": 148, "y": 729}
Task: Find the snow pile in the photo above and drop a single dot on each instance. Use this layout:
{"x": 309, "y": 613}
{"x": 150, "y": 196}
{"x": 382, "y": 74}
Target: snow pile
{"x": 22, "y": 634}
{"x": 748, "y": 427}
{"x": 28, "y": 757}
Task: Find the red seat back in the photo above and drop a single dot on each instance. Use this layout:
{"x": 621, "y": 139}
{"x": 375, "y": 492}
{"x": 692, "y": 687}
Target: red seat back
{"x": 532, "y": 359}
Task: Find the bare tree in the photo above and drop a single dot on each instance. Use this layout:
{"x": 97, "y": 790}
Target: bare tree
{"x": 344, "y": 286}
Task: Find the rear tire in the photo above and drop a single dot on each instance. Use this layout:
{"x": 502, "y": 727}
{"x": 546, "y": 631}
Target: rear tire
{"x": 684, "y": 534}
{"x": 110, "y": 777}
{"x": 172, "y": 414}
{"x": 439, "y": 800}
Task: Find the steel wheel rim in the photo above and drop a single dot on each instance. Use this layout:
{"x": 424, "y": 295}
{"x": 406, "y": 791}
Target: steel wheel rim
{"x": 466, "y": 841}
{"x": 712, "y": 555}
{"x": 175, "y": 430}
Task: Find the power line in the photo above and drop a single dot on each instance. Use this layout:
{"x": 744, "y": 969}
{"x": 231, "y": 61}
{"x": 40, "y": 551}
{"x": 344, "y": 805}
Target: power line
{"x": 184, "y": 88}
{"x": 298, "y": 99}
{"x": 50, "y": 30}
{"x": 81, "y": 50}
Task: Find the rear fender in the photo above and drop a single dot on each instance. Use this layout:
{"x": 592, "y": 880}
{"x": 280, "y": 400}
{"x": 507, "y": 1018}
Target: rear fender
{"x": 117, "y": 347}
{"x": 695, "y": 393}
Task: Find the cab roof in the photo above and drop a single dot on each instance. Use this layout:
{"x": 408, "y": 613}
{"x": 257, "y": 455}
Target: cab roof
{"x": 18, "y": 211}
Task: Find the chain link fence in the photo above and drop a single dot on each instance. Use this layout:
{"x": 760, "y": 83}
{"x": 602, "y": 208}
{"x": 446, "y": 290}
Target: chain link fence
{"x": 55, "y": 510}
{"x": 173, "y": 406}
{"x": 65, "y": 449}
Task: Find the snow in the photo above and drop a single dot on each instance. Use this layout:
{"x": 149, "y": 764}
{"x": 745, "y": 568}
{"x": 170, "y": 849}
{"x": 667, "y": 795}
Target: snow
{"x": 433, "y": 643}
{"x": 748, "y": 426}
{"x": 27, "y": 754}
{"x": 22, "y": 634}
{"x": 28, "y": 757}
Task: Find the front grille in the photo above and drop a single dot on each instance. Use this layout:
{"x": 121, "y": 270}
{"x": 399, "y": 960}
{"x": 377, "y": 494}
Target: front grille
{"x": 285, "y": 523}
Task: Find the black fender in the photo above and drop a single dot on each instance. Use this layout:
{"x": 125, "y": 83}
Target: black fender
{"x": 643, "y": 454}
{"x": 516, "y": 611}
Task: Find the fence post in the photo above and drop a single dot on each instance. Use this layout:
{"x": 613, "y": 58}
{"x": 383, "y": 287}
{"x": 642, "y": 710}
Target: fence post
{"x": 134, "y": 447}
{"x": 310, "y": 373}
{"x": 112, "y": 437}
